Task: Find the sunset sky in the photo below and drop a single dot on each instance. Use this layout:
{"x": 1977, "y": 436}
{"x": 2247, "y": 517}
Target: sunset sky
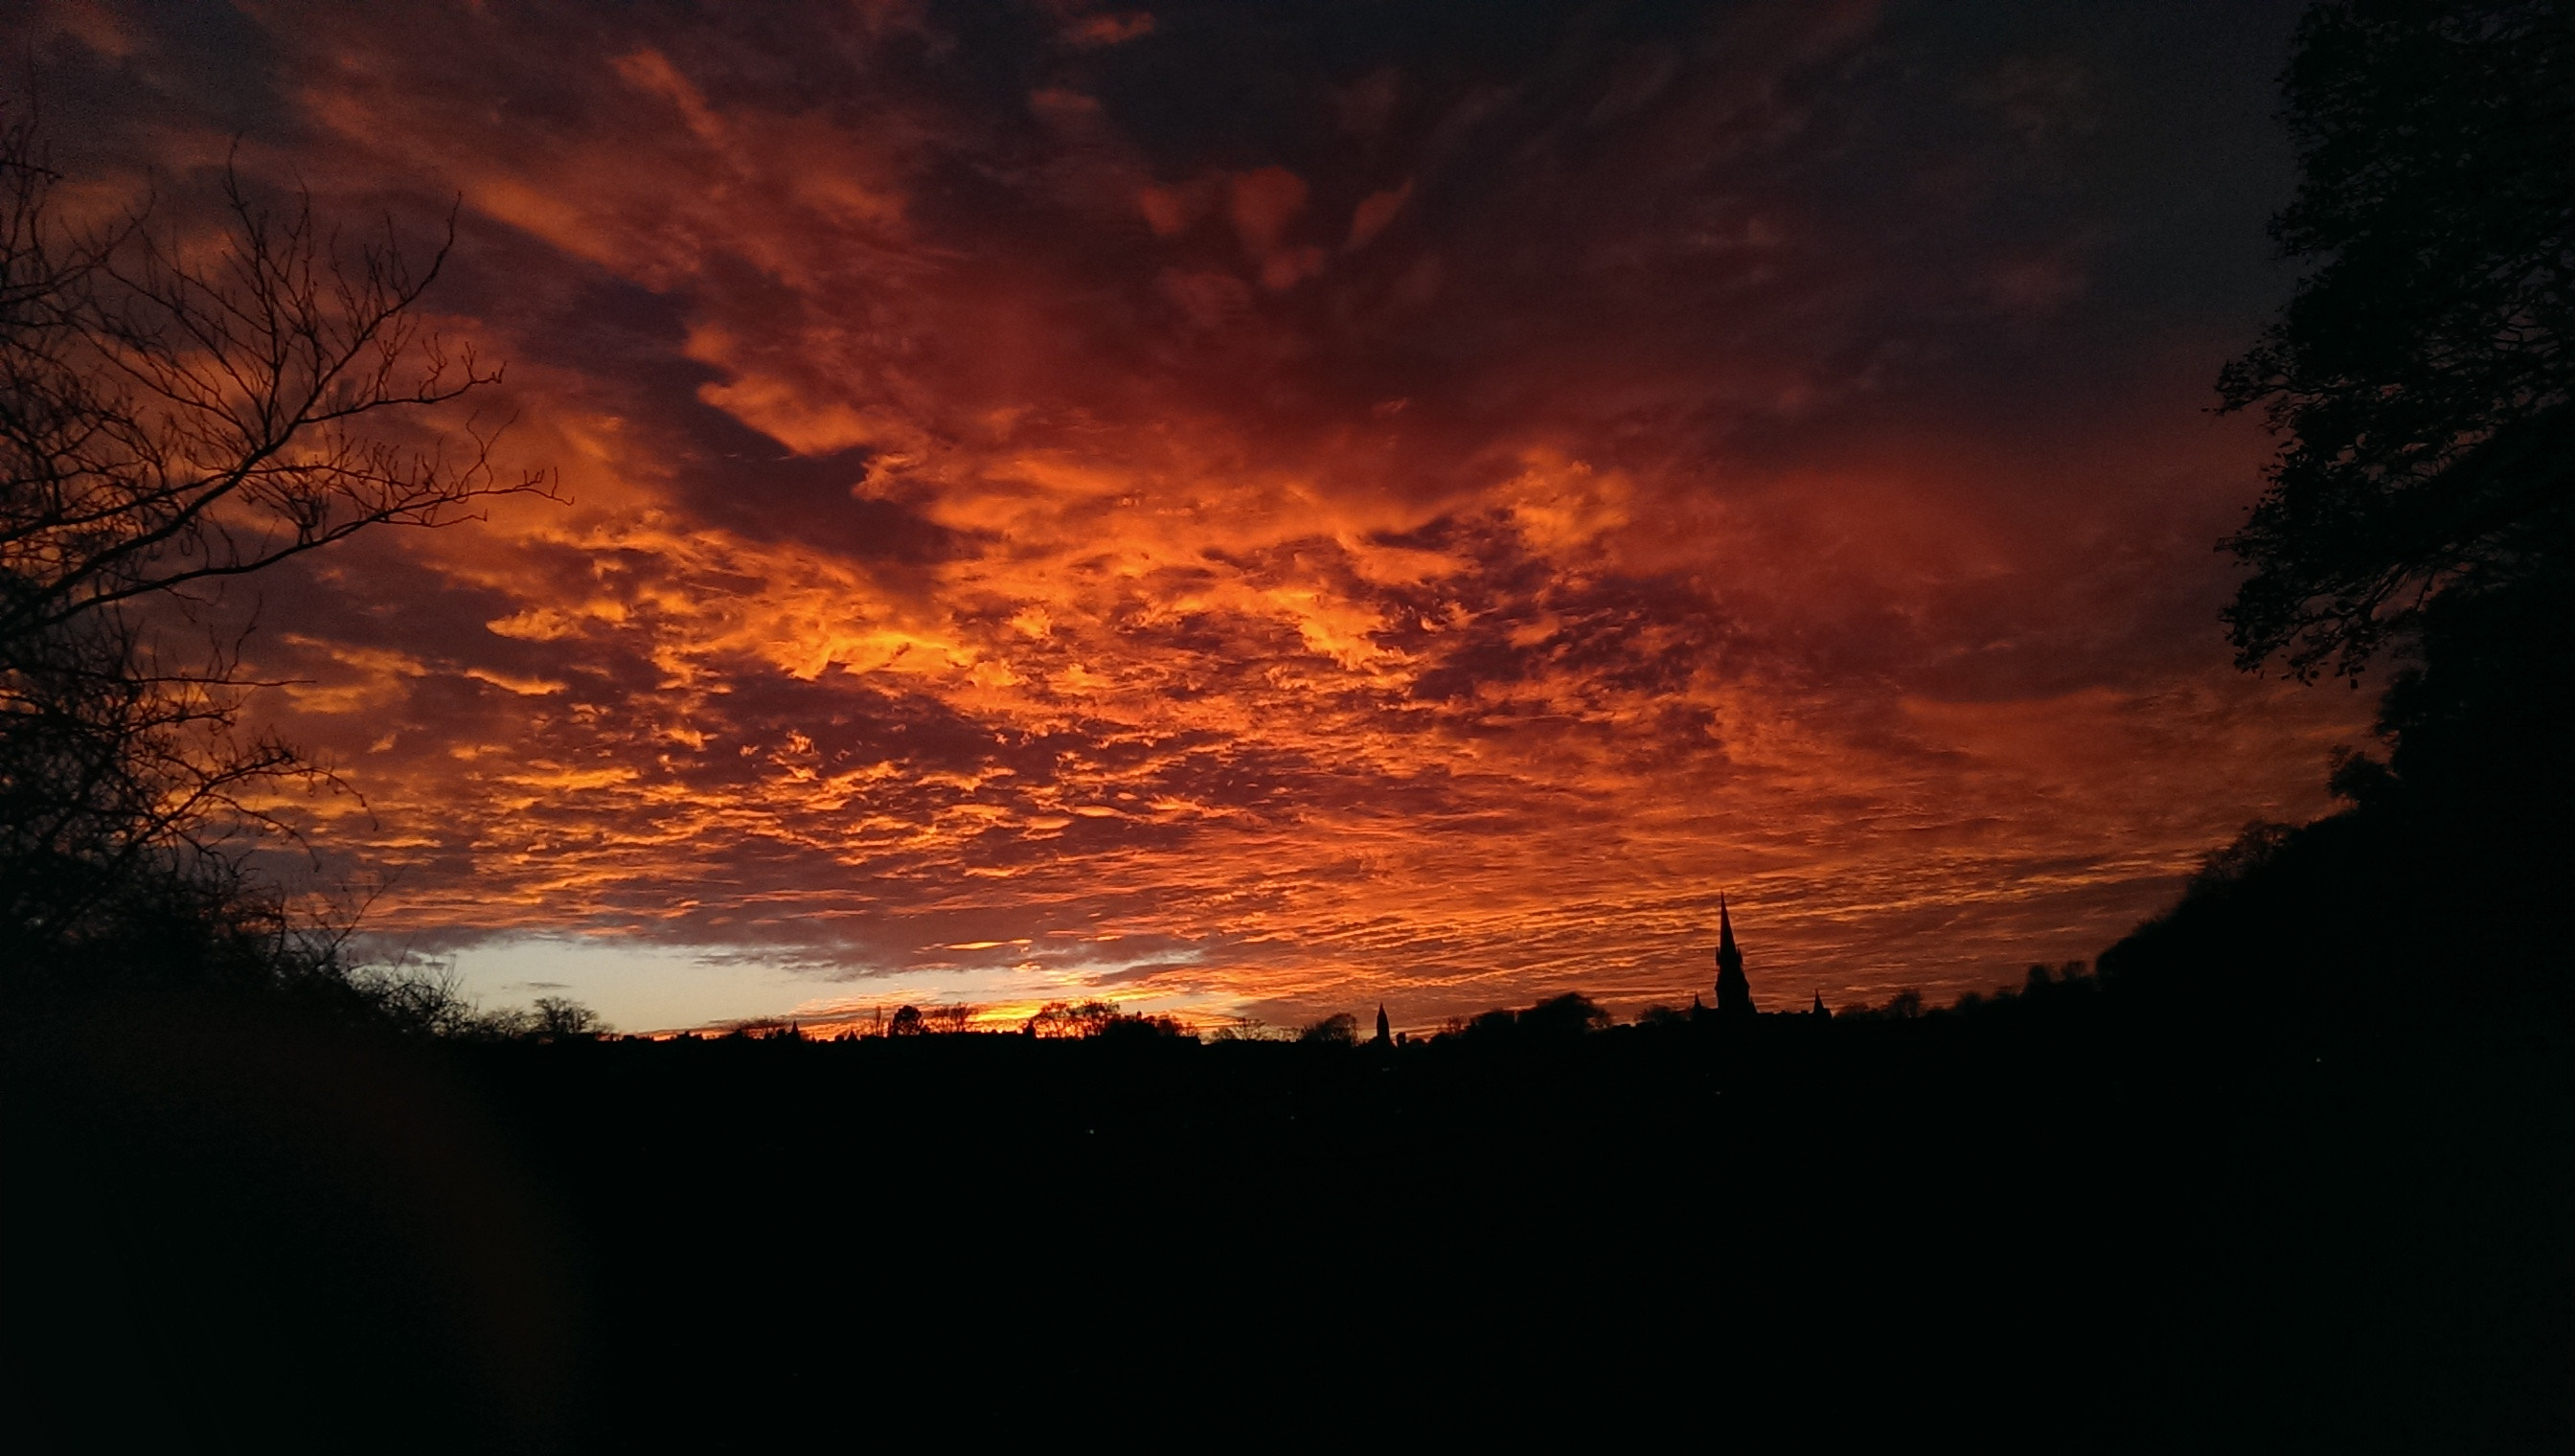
{"x": 1260, "y": 510}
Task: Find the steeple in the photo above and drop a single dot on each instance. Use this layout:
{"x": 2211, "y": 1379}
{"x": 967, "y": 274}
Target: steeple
{"x": 1384, "y": 1034}
{"x": 1733, "y": 993}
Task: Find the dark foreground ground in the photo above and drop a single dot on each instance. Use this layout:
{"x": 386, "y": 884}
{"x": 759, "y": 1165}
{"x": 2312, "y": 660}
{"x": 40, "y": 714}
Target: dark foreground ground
{"x": 228, "y": 1233}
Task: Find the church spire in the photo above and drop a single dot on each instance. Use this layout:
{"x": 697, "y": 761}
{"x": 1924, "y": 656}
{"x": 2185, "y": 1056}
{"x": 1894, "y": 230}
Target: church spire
{"x": 1733, "y": 993}
{"x": 1383, "y": 1033}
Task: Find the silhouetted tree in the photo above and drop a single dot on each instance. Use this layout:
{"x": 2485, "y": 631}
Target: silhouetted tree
{"x": 1338, "y": 1029}
{"x": 1131, "y": 1030}
{"x": 1556, "y": 1019}
{"x": 559, "y": 1018}
{"x": 2423, "y": 376}
{"x": 1066, "y": 1019}
{"x": 2256, "y": 845}
{"x": 1247, "y": 1029}
{"x": 1569, "y": 1016}
{"x": 180, "y": 408}
{"x": 2421, "y": 373}
{"x": 2422, "y": 503}
{"x": 905, "y": 1022}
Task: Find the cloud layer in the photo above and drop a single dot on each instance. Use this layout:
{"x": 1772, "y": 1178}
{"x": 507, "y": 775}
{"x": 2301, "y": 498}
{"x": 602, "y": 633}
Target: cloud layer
{"x": 1260, "y": 509}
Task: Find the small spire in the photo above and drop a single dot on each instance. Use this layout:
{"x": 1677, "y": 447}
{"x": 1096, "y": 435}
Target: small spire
{"x": 1383, "y": 1034}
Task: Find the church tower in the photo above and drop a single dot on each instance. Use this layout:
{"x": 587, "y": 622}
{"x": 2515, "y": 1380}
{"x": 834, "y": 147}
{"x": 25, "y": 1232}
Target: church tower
{"x": 1384, "y": 1036}
{"x": 1733, "y": 993}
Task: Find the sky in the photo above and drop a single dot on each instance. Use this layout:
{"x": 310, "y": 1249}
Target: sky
{"x": 1255, "y": 510}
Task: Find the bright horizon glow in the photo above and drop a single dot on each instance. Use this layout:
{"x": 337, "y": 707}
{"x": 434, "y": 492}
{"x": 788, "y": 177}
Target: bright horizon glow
{"x": 644, "y": 987}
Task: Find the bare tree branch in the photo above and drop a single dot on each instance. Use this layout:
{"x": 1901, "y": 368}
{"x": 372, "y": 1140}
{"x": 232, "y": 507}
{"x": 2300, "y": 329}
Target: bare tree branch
{"x": 175, "y": 415}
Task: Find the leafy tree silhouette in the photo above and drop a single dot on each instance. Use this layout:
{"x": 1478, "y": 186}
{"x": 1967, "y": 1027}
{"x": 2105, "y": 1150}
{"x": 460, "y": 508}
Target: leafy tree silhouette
{"x": 2424, "y": 495}
{"x": 2421, "y": 373}
{"x": 2418, "y": 512}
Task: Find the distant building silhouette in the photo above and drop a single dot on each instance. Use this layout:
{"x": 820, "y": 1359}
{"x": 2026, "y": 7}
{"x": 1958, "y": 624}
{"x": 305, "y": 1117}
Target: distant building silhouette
{"x": 1820, "y": 1006}
{"x": 1733, "y": 993}
{"x": 1384, "y": 1034}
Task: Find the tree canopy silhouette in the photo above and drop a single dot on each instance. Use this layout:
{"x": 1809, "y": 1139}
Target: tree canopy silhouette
{"x": 1338, "y": 1029}
{"x": 2420, "y": 373}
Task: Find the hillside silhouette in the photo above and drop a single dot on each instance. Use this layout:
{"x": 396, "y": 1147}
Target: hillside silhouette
{"x": 532, "y": 1240}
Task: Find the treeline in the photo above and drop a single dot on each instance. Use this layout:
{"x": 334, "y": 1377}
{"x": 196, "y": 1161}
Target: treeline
{"x": 2065, "y": 987}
